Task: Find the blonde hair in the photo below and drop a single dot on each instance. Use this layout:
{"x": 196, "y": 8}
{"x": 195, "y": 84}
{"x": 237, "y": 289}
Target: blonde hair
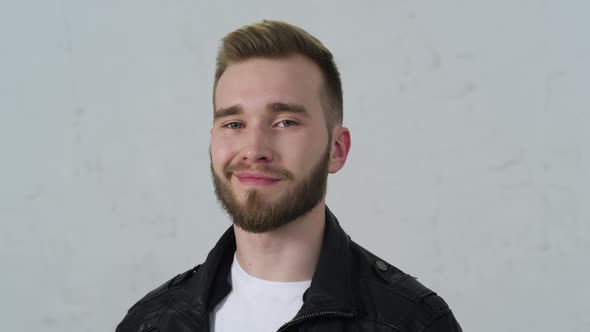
{"x": 276, "y": 39}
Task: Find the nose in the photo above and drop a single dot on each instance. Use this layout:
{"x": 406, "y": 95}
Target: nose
{"x": 257, "y": 146}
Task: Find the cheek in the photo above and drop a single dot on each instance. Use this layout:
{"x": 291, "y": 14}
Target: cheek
{"x": 221, "y": 153}
{"x": 302, "y": 152}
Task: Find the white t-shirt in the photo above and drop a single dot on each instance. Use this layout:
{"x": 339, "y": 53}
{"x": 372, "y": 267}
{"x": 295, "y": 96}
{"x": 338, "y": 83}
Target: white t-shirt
{"x": 255, "y": 304}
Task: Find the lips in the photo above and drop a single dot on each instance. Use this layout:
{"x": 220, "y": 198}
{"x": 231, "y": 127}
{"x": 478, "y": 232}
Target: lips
{"x": 255, "y": 178}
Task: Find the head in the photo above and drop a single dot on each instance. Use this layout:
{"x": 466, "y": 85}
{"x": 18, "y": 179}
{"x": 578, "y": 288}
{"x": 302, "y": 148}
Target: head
{"x": 277, "y": 129}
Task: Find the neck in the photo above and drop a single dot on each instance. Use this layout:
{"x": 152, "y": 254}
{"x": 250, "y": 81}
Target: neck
{"x": 289, "y": 253}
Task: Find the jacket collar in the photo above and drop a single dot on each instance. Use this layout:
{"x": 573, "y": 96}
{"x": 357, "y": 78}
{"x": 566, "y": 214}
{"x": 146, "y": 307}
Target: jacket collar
{"x": 330, "y": 287}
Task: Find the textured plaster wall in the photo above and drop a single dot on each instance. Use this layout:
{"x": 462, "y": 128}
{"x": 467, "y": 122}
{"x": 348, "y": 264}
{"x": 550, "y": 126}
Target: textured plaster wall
{"x": 469, "y": 167}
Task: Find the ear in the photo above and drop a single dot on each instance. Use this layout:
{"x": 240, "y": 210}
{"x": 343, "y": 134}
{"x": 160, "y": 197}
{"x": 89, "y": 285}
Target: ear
{"x": 339, "y": 149}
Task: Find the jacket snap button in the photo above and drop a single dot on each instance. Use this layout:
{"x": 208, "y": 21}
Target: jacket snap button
{"x": 381, "y": 265}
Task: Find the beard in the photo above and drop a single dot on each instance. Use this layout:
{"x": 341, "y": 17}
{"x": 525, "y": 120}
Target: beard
{"x": 256, "y": 215}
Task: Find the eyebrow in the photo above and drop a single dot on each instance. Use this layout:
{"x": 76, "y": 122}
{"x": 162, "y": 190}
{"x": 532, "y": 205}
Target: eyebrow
{"x": 276, "y": 107}
{"x": 225, "y": 112}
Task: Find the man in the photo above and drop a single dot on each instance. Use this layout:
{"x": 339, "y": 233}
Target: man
{"x": 285, "y": 264}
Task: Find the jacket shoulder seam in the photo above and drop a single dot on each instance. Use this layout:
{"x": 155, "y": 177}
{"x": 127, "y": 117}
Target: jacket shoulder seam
{"x": 405, "y": 292}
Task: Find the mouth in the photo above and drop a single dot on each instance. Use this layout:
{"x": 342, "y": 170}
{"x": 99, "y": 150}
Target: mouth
{"x": 253, "y": 178}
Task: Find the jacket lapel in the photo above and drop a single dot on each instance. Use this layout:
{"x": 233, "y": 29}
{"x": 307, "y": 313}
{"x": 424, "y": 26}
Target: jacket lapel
{"x": 331, "y": 287}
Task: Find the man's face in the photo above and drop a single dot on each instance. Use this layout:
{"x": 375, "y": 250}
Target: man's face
{"x": 270, "y": 148}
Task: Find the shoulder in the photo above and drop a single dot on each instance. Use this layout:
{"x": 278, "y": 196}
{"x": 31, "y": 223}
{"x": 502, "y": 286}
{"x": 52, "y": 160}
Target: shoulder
{"x": 395, "y": 298}
{"x": 146, "y": 312}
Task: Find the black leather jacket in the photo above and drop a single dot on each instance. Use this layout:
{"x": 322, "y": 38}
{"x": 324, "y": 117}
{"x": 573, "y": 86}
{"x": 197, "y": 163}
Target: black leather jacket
{"x": 351, "y": 290}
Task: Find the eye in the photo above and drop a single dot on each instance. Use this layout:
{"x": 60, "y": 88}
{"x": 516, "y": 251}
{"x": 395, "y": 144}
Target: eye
{"x": 233, "y": 125}
{"x": 287, "y": 123}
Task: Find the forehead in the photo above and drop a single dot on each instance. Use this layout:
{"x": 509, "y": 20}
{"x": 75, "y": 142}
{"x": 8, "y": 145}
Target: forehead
{"x": 260, "y": 81}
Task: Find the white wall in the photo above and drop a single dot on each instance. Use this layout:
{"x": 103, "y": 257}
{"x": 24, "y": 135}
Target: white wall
{"x": 469, "y": 166}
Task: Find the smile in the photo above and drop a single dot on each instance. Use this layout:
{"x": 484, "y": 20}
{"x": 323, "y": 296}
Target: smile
{"x": 255, "y": 178}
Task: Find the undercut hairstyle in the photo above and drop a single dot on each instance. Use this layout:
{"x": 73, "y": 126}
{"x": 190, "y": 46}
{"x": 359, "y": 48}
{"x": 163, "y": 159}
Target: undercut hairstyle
{"x": 275, "y": 40}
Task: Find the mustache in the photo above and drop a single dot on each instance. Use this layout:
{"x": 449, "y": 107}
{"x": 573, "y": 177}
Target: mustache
{"x": 275, "y": 172}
